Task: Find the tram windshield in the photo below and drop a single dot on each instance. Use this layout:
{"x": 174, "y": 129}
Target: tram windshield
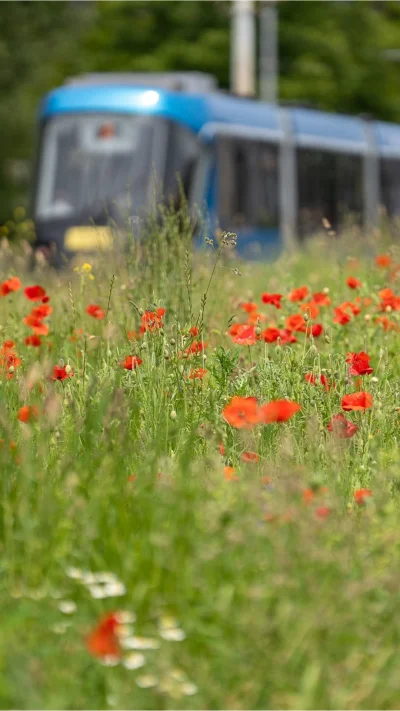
{"x": 88, "y": 161}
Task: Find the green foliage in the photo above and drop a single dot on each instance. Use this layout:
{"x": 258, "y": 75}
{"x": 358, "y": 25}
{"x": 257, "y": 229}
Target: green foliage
{"x": 285, "y": 601}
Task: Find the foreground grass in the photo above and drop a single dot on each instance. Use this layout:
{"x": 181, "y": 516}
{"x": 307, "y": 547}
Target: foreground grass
{"x": 282, "y": 588}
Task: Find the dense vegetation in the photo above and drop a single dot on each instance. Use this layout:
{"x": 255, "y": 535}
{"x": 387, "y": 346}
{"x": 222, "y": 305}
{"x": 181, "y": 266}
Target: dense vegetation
{"x": 200, "y": 489}
{"x": 331, "y": 54}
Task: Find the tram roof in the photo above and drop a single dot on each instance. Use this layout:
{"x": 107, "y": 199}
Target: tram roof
{"x": 309, "y": 127}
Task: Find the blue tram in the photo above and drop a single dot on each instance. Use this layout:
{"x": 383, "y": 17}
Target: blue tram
{"x": 269, "y": 173}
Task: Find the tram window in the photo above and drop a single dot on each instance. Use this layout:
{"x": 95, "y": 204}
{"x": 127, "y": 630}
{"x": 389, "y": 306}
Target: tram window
{"x": 247, "y": 183}
{"x": 330, "y": 186}
{"x": 182, "y": 156}
{"x": 390, "y": 185}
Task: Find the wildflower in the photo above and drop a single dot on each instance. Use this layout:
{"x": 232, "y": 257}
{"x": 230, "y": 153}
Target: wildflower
{"x": 250, "y": 457}
{"x": 96, "y": 311}
{"x": 310, "y": 308}
{"x": 135, "y": 660}
{"x": 298, "y": 294}
{"x": 321, "y": 298}
{"x": 34, "y": 341}
{"x": 360, "y": 495}
{"x": 342, "y": 428}
{"x": 197, "y": 373}
{"x": 131, "y": 362}
{"x": 286, "y": 336}
{"x": 357, "y": 401}
{"x": 195, "y": 348}
{"x": 41, "y": 312}
{"x": 61, "y": 373}
{"x": 229, "y": 474}
{"x": 193, "y": 331}
{"x": 279, "y": 411}
{"x": 152, "y": 320}
{"x": 353, "y": 283}
{"x": 249, "y": 307}
{"x": 103, "y": 641}
{"x": 341, "y": 316}
{"x": 36, "y": 324}
{"x": 314, "y": 329}
{"x": 323, "y": 511}
{"x": 308, "y": 495}
{"x": 270, "y": 335}
{"x": 9, "y": 286}
{"x": 383, "y": 260}
{"x": 243, "y": 334}
{"x": 35, "y": 293}
{"x": 273, "y": 299}
{"x": 242, "y": 412}
{"x": 313, "y": 380}
{"x": 28, "y": 413}
{"x": 296, "y": 322}
{"x": 359, "y": 363}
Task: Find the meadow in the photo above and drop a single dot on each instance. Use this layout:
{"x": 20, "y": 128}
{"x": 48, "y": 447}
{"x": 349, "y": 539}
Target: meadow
{"x": 200, "y": 481}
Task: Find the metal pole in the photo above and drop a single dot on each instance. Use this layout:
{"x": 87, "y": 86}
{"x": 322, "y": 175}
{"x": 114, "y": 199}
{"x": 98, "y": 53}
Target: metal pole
{"x": 269, "y": 52}
{"x": 243, "y": 48}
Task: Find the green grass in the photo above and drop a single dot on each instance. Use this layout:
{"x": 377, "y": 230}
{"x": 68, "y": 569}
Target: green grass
{"x": 121, "y": 473}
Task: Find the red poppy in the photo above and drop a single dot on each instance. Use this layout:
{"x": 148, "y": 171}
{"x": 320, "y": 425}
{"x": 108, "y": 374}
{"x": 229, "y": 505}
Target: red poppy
{"x": 152, "y": 320}
{"x": 46, "y": 299}
{"x": 279, "y": 411}
{"x": 321, "y": 298}
{"x": 341, "y": 316}
{"x": 323, "y": 511}
{"x": 96, "y": 311}
{"x": 298, "y": 294}
{"x": 357, "y": 401}
{"x": 8, "y": 346}
{"x": 315, "y": 329}
{"x": 37, "y": 325}
{"x": 342, "y": 428}
{"x": 243, "y": 334}
{"x": 273, "y": 299}
{"x": 7, "y": 287}
{"x": 314, "y": 380}
{"x": 61, "y": 373}
{"x": 249, "y": 307}
{"x": 250, "y": 457}
{"x": 359, "y": 363}
{"x": 296, "y": 322}
{"x": 353, "y": 283}
{"x": 197, "y": 373}
{"x": 383, "y": 260}
{"x": 349, "y": 306}
{"x": 310, "y": 308}
{"x": 195, "y": 348}
{"x": 360, "y": 495}
{"x": 193, "y": 331}
{"x": 390, "y": 302}
{"x": 131, "y": 362}
{"x": 103, "y": 640}
{"x": 35, "y": 293}
{"x": 229, "y": 474}
{"x": 42, "y": 311}
{"x": 270, "y": 335}
{"x": 242, "y": 412}
{"x": 308, "y": 495}
{"x": 33, "y": 341}
{"x": 27, "y": 413}
{"x": 286, "y": 336}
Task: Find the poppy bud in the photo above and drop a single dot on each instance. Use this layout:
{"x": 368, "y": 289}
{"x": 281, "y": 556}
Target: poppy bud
{"x": 68, "y": 368}
{"x": 367, "y": 317}
{"x": 313, "y": 350}
{"x": 326, "y": 290}
{"x": 11, "y": 369}
{"x": 258, "y": 331}
{"x": 143, "y": 346}
{"x": 306, "y": 317}
{"x": 374, "y": 379}
{"x": 172, "y": 341}
{"x": 327, "y": 339}
{"x": 172, "y": 415}
{"x": 61, "y": 362}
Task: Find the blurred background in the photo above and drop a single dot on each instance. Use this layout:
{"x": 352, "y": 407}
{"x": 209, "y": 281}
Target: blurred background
{"x": 336, "y": 56}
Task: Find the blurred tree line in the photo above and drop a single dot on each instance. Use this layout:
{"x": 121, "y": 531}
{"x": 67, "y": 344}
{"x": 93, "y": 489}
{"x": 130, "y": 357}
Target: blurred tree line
{"x": 331, "y": 55}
